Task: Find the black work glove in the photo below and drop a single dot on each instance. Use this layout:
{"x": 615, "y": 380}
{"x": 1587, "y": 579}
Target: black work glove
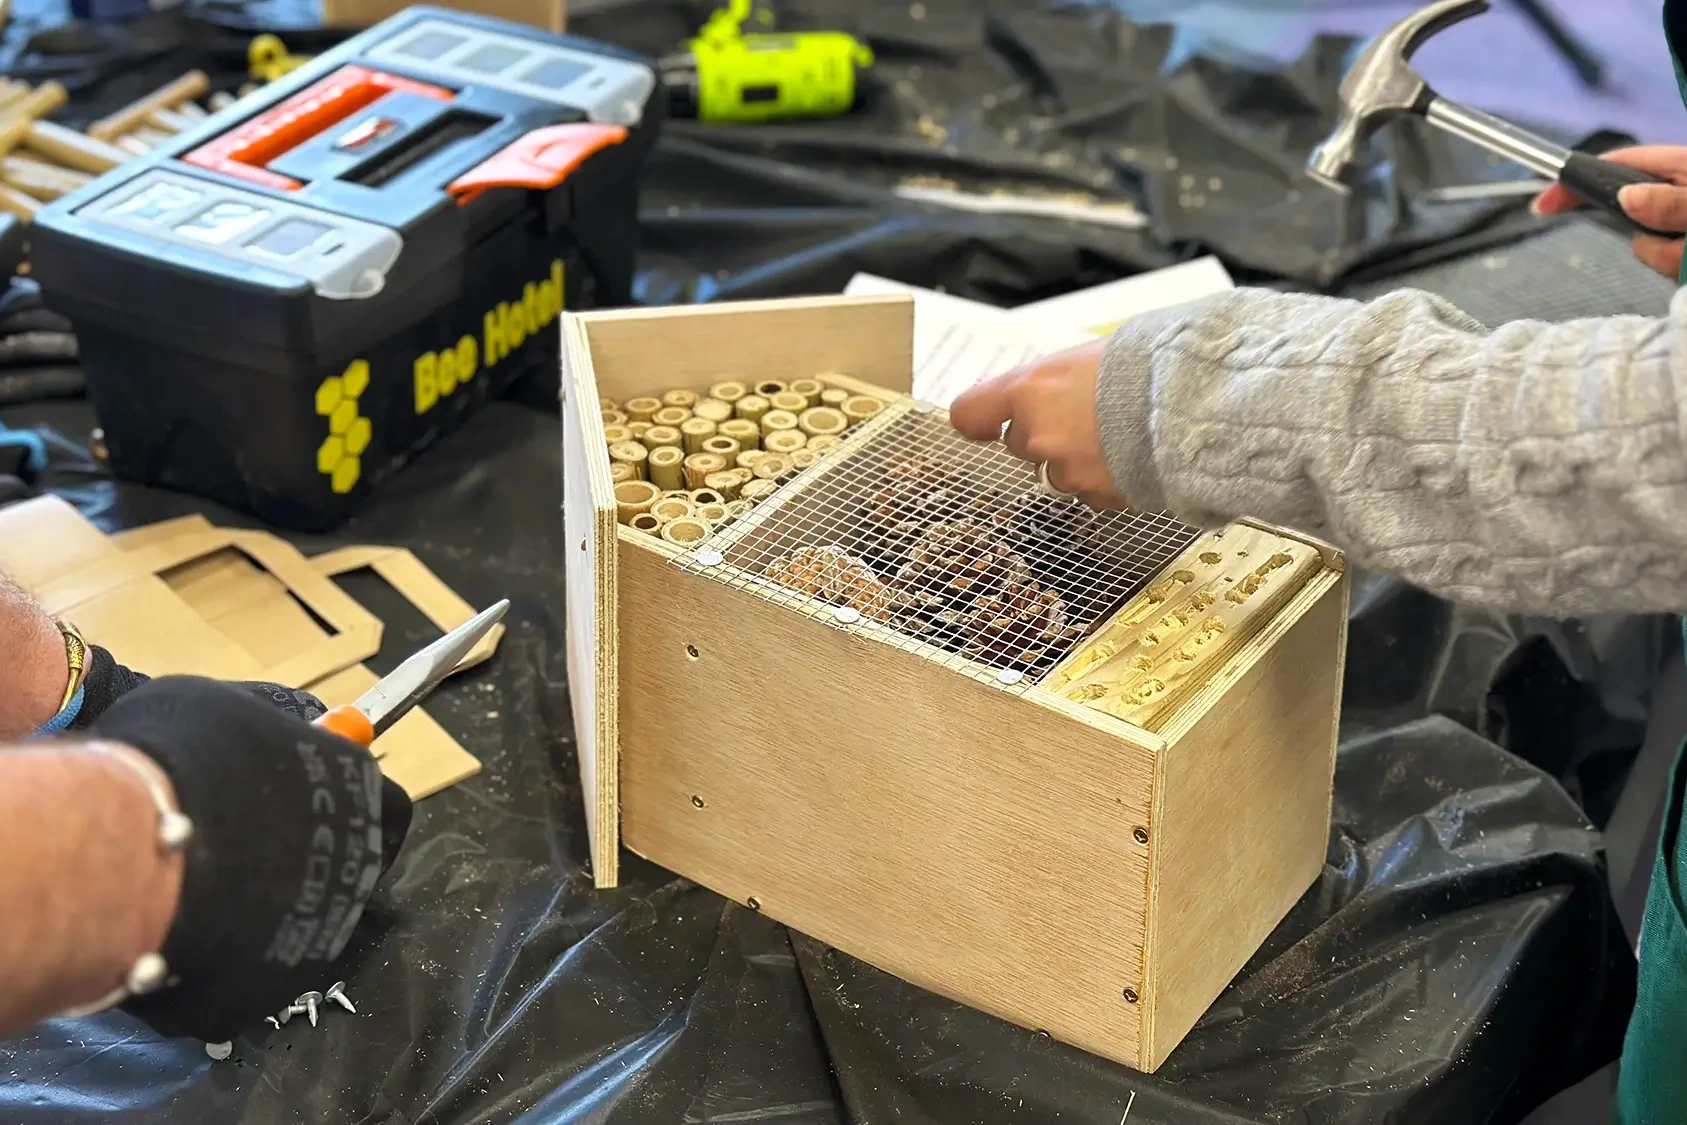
{"x": 293, "y": 826}
{"x": 105, "y": 681}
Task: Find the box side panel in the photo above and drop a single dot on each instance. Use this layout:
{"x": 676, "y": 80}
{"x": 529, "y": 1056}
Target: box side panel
{"x": 868, "y": 338}
{"x": 588, "y": 514}
{"x": 956, "y": 835}
{"x": 1242, "y": 812}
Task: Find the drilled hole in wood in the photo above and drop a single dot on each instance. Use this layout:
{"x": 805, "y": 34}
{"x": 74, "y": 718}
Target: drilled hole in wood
{"x": 1141, "y": 835}
{"x": 582, "y": 544}
{"x": 698, "y": 801}
{"x": 1130, "y": 996}
{"x": 691, "y": 652}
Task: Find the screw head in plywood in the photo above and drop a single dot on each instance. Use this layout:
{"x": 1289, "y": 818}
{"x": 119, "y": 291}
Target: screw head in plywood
{"x": 1130, "y": 996}
{"x": 1140, "y": 835}
{"x": 698, "y": 801}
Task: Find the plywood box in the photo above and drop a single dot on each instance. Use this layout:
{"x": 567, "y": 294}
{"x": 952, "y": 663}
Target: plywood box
{"x": 1086, "y": 833}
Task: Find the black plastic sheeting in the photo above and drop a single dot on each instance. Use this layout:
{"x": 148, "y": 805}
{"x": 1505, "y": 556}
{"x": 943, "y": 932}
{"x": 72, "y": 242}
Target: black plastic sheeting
{"x": 1457, "y": 961}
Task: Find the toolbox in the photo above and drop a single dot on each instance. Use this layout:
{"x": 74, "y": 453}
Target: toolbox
{"x": 1066, "y": 766}
{"x": 279, "y": 309}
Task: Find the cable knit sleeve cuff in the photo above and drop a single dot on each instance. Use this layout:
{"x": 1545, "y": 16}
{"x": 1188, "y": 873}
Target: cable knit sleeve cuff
{"x": 1124, "y": 406}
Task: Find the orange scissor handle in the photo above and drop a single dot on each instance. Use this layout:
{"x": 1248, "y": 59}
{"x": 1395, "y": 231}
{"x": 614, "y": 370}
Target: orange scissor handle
{"x": 350, "y": 723}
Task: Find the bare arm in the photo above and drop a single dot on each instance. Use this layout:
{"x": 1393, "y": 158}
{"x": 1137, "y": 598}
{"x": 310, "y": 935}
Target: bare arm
{"x": 33, "y": 666}
{"x": 84, "y": 890}
{"x": 1533, "y": 467}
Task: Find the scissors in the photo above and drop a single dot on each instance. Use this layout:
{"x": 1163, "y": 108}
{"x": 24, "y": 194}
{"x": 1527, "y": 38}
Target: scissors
{"x": 408, "y": 684}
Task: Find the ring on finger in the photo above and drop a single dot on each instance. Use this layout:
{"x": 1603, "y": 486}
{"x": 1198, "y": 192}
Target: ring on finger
{"x": 1048, "y": 488}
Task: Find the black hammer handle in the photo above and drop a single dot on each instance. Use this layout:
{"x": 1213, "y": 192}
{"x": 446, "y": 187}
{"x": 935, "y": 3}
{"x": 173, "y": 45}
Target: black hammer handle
{"x": 1598, "y": 181}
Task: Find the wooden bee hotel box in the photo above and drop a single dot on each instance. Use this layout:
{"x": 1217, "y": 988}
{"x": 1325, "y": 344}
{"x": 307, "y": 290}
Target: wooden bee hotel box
{"x": 838, "y": 664}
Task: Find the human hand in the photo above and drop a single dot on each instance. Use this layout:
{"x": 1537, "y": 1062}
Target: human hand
{"x": 1658, "y": 206}
{"x": 293, "y": 827}
{"x": 1048, "y": 408}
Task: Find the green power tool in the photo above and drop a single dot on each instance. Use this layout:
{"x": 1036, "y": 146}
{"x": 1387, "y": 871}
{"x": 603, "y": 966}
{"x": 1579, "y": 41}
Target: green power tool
{"x": 726, "y": 75}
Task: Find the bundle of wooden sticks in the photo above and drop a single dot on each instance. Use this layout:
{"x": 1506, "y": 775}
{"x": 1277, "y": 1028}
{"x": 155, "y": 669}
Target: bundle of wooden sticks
{"x": 41, "y": 161}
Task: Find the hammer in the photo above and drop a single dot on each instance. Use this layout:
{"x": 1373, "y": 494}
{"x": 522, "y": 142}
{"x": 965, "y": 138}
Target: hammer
{"x": 1381, "y": 84}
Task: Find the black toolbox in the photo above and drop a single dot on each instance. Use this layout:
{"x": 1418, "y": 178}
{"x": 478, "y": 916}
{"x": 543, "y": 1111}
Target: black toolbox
{"x": 280, "y": 308}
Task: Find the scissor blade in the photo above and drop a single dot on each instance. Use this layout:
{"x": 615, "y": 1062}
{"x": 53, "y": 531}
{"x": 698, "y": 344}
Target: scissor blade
{"x": 409, "y": 683}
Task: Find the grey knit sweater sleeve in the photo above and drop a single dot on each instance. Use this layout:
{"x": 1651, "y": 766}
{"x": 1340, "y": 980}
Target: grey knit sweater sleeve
{"x": 1535, "y": 468}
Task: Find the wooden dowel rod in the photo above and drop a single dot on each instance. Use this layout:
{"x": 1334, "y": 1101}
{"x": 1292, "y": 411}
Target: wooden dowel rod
{"x": 72, "y": 149}
{"x": 189, "y": 86}
{"x": 40, "y": 179}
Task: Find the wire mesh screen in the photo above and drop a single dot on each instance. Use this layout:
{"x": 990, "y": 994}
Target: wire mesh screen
{"x": 916, "y": 536}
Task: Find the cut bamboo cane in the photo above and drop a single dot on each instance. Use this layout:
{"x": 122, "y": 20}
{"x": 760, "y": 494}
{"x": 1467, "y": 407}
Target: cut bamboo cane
{"x": 634, "y": 498}
{"x": 810, "y": 389}
{"x": 646, "y": 523}
{"x": 686, "y": 531}
{"x": 752, "y": 407}
{"x": 667, "y": 467}
{"x": 788, "y": 401}
{"x": 725, "y": 446}
{"x": 774, "y": 421}
{"x": 713, "y": 409}
{"x": 859, "y": 408}
{"x": 785, "y": 442}
{"x": 681, "y": 397}
{"x": 671, "y": 508}
{"x": 767, "y": 388}
{"x": 658, "y": 436}
{"x": 630, "y": 453}
{"x": 642, "y": 409}
{"x": 696, "y": 431}
{"x": 822, "y": 421}
{"x": 743, "y": 431}
{"x": 699, "y": 465}
{"x": 675, "y": 416}
{"x": 729, "y": 392}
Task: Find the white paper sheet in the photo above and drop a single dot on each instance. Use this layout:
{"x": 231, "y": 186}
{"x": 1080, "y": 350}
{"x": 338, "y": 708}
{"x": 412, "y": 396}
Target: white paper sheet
{"x": 958, "y": 342}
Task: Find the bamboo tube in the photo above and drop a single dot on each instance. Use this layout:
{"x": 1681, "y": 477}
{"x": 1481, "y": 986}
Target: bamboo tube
{"x": 39, "y": 102}
{"x": 613, "y": 417}
{"x": 712, "y": 514}
{"x": 699, "y": 465}
{"x": 639, "y": 429}
{"x": 608, "y": 404}
{"x": 634, "y": 498}
{"x": 758, "y": 490}
{"x": 620, "y": 471}
{"x": 767, "y": 388}
{"x": 696, "y": 431}
{"x": 788, "y": 401}
{"x": 728, "y": 392}
{"x": 666, "y": 466}
{"x": 774, "y": 421}
{"x": 786, "y": 442}
{"x": 834, "y": 396}
{"x": 615, "y": 435}
{"x": 748, "y": 458}
{"x": 186, "y": 88}
{"x": 701, "y": 496}
{"x": 859, "y": 408}
{"x": 685, "y": 531}
{"x": 151, "y": 138}
{"x": 772, "y": 467}
{"x": 658, "y": 436}
{"x": 40, "y": 179}
{"x": 822, "y": 421}
{"x": 743, "y": 431}
{"x": 11, "y": 93}
{"x": 641, "y": 409}
{"x": 803, "y": 459}
{"x": 671, "y": 508}
{"x": 822, "y": 443}
{"x": 220, "y": 101}
{"x": 713, "y": 409}
{"x": 630, "y": 453}
{"x": 729, "y": 482}
{"x": 131, "y": 146}
{"x": 681, "y": 397}
{"x": 810, "y": 389}
{"x": 191, "y": 110}
{"x": 752, "y": 407}
{"x": 737, "y": 509}
{"x": 12, "y": 132}
{"x": 725, "y": 446}
{"x": 671, "y": 416}
{"x": 72, "y": 149}
{"x": 17, "y": 203}
{"x": 677, "y": 494}
{"x": 646, "y": 523}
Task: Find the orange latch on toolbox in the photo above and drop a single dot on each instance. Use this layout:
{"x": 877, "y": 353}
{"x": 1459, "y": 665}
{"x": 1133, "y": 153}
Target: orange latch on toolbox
{"x": 540, "y": 159}
{"x": 245, "y": 151}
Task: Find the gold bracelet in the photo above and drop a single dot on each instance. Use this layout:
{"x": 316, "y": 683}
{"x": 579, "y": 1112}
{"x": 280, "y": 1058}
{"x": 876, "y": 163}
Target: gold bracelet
{"x": 76, "y": 653}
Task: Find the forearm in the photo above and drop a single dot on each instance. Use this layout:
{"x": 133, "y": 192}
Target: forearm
{"x": 34, "y": 668}
{"x": 1532, "y": 468}
{"x": 84, "y": 889}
